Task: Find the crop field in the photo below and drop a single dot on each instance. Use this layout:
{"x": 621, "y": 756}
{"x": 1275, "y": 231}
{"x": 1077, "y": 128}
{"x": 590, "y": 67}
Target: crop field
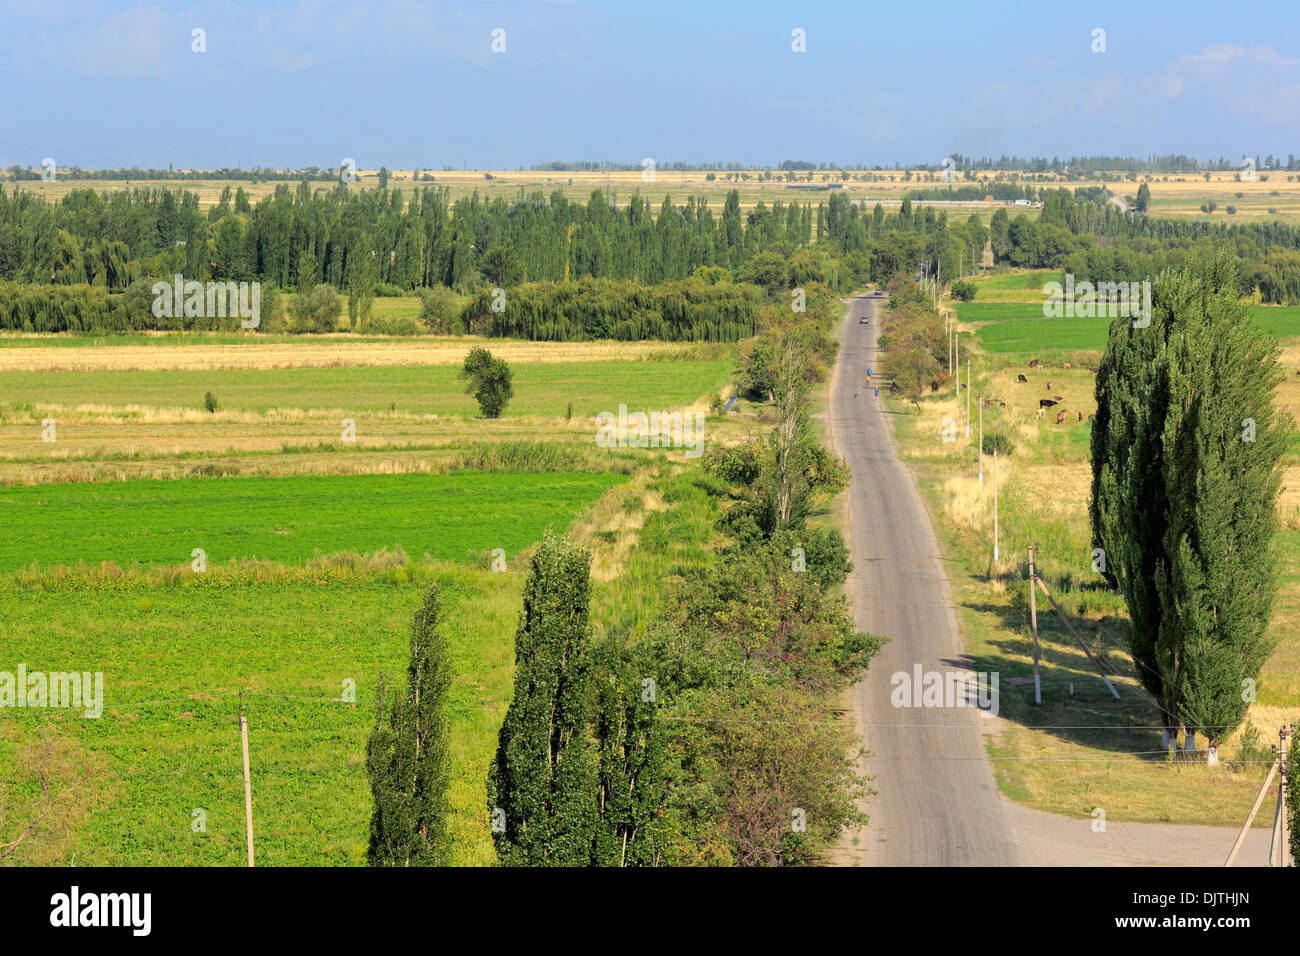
{"x": 1021, "y": 327}
{"x": 176, "y": 649}
{"x": 1171, "y": 196}
{"x": 291, "y": 519}
{"x": 541, "y": 389}
{"x": 317, "y": 550}
{"x": 142, "y": 405}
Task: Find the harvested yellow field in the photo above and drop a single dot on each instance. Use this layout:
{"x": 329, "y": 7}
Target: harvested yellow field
{"x": 337, "y": 353}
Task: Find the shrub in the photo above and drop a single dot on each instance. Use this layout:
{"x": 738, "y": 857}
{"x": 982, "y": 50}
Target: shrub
{"x": 318, "y": 311}
{"x": 210, "y": 402}
{"x": 963, "y": 291}
{"x": 440, "y": 310}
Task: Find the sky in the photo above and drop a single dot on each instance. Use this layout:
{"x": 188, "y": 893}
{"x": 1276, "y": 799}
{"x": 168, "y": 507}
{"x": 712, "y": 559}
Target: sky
{"x": 403, "y": 84}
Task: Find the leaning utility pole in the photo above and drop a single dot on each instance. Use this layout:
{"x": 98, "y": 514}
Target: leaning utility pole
{"x": 1033, "y": 623}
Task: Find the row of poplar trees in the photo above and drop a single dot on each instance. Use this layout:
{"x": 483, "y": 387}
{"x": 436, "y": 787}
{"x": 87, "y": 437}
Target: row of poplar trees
{"x": 558, "y": 794}
{"x": 1186, "y": 453}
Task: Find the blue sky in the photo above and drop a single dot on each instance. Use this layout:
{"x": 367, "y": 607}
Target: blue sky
{"x": 400, "y": 83}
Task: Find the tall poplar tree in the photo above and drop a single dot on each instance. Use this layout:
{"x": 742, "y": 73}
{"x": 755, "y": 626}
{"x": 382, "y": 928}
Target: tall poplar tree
{"x": 541, "y": 787}
{"x": 407, "y": 757}
{"x": 1186, "y": 452}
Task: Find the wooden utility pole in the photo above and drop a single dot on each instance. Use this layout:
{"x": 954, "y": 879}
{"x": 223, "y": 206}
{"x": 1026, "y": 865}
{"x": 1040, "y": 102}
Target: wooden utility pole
{"x": 979, "y": 452}
{"x": 968, "y": 391}
{"x": 1033, "y": 623}
{"x": 1070, "y": 627}
{"x": 995, "y": 502}
{"x": 248, "y": 782}
{"x": 1241, "y": 837}
{"x": 1277, "y": 849}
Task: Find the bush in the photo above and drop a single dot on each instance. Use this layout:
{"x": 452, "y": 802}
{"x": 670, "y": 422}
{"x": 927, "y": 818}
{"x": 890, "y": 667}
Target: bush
{"x": 998, "y": 440}
{"x": 318, "y": 311}
{"x": 210, "y": 402}
{"x": 440, "y": 310}
{"x": 962, "y": 290}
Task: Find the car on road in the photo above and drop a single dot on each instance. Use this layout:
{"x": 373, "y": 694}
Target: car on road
{"x": 864, "y": 321}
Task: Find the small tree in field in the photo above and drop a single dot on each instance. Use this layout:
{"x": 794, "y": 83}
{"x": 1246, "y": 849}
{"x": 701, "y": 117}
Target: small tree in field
{"x": 489, "y": 381}
{"x": 407, "y": 757}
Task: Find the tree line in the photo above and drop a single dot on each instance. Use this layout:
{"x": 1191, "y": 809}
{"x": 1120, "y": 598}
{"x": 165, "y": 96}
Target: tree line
{"x": 1097, "y": 242}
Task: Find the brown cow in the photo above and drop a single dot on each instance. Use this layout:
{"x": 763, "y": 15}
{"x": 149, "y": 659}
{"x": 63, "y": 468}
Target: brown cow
{"x": 1021, "y": 378}
{"x": 1060, "y": 416}
{"x": 1090, "y": 418}
{"x": 1096, "y": 370}
{"x": 1081, "y": 416}
{"x": 1058, "y": 398}
{"x": 1049, "y": 386}
{"x": 1068, "y": 365}
{"x": 1033, "y": 363}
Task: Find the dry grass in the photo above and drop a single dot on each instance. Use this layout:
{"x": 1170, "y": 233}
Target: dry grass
{"x": 321, "y": 352}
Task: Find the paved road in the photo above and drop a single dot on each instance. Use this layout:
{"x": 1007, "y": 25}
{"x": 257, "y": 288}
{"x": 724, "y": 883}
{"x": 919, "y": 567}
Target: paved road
{"x": 937, "y": 802}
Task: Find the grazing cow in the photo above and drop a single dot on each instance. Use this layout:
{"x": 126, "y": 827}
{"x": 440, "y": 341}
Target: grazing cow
{"x": 1081, "y": 416}
{"x": 1090, "y": 418}
{"x": 1068, "y": 365}
{"x": 1046, "y": 403}
{"x": 1022, "y": 379}
{"x": 1060, "y": 416}
{"x": 1039, "y": 414}
{"x": 1002, "y": 404}
{"x": 1033, "y": 363}
{"x": 1058, "y": 398}
{"x": 1096, "y": 370}
{"x": 1049, "y": 386}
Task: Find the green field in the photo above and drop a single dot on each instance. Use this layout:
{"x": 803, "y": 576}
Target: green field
{"x": 175, "y": 650}
{"x": 1013, "y": 327}
{"x": 1033, "y": 279}
{"x": 540, "y": 389}
{"x": 147, "y": 766}
{"x": 287, "y": 519}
